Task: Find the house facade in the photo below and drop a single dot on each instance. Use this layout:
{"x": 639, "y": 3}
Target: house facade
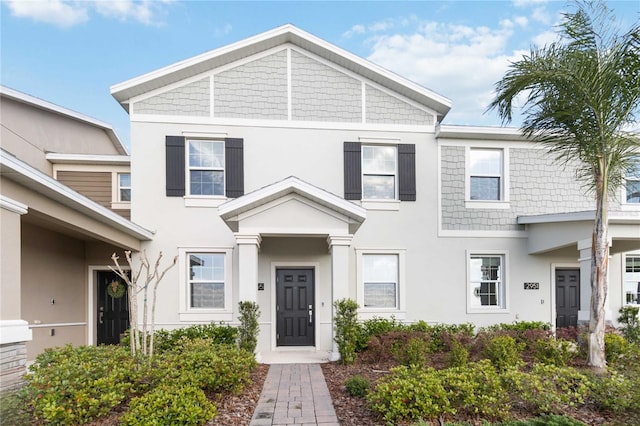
{"x": 284, "y": 170}
{"x": 64, "y": 203}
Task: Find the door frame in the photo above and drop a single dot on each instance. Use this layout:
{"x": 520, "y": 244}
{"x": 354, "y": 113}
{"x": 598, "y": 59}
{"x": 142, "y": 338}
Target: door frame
{"x": 92, "y": 300}
{"x": 554, "y": 310}
{"x": 315, "y": 267}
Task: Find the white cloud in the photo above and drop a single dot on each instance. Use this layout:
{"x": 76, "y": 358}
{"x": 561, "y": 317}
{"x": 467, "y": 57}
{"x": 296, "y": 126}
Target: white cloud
{"x": 57, "y": 12}
{"x": 356, "y": 29}
{"x": 545, "y": 38}
{"x": 521, "y": 21}
{"x": 67, "y": 13}
{"x": 542, "y": 15}
{"x": 460, "y": 62}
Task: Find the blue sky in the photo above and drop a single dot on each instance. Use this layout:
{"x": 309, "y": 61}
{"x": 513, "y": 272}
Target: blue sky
{"x": 70, "y": 52}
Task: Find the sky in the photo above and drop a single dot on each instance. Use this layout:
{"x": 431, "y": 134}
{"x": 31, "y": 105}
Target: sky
{"x": 71, "y": 52}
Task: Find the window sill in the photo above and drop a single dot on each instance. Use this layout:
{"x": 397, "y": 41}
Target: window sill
{"x": 206, "y": 315}
{"x": 487, "y": 310}
{"x": 487, "y": 204}
{"x": 626, "y": 207}
{"x": 389, "y": 205}
{"x": 121, "y": 205}
{"x": 195, "y": 201}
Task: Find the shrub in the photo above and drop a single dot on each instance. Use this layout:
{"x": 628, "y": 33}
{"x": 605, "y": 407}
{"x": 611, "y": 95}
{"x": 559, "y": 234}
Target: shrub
{"x": 166, "y": 340}
{"x": 554, "y": 351}
{"x": 615, "y": 392}
{"x": 357, "y": 386}
{"x": 475, "y": 389}
{"x": 546, "y": 420}
{"x": 614, "y": 346}
{"x": 249, "y": 327}
{"x": 413, "y": 352}
{"x": 410, "y": 393}
{"x": 14, "y": 409}
{"x": 458, "y": 355}
{"x": 630, "y": 323}
{"x": 504, "y": 352}
{"x": 77, "y": 385}
{"x": 347, "y": 329}
{"x": 200, "y": 363}
{"x": 177, "y": 404}
{"x": 568, "y": 384}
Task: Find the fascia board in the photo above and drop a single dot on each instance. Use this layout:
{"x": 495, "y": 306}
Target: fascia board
{"x": 57, "y": 158}
{"x": 480, "y": 133}
{"x": 55, "y": 190}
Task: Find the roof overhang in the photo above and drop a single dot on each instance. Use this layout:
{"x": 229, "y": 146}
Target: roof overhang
{"x": 270, "y": 39}
{"x": 233, "y": 211}
{"x": 550, "y": 232}
{"x": 93, "y": 159}
{"x": 56, "y": 109}
{"x": 29, "y": 177}
{"x": 480, "y": 133}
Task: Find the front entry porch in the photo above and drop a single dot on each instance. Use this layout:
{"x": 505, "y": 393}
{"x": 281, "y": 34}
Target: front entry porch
{"x": 292, "y": 230}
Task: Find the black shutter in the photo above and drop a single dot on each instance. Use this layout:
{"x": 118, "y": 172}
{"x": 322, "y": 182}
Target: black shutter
{"x": 175, "y": 164}
{"x": 234, "y": 167}
{"x": 407, "y": 172}
{"x": 352, "y": 171}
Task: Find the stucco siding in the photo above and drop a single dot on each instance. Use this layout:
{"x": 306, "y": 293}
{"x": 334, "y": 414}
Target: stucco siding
{"x": 384, "y": 108}
{"x": 257, "y": 89}
{"x": 322, "y": 93}
{"x": 192, "y": 99}
{"x": 536, "y": 186}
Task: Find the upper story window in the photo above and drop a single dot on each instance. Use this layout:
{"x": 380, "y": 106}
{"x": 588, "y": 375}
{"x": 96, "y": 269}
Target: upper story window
{"x": 379, "y": 171}
{"x": 632, "y": 280}
{"x": 632, "y": 184}
{"x": 206, "y": 167}
{"x": 124, "y": 187}
{"x": 486, "y": 174}
{"x": 486, "y": 284}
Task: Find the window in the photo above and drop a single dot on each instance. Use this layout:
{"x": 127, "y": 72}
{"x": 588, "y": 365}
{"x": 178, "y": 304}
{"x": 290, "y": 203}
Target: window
{"x": 485, "y": 174}
{"x": 206, "y": 280}
{"x": 632, "y": 184}
{"x": 206, "y": 167}
{"x": 632, "y": 280}
{"x": 380, "y": 275}
{"x": 124, "y": 187}
{"x": 486, "y": 282}
{"x": 379, "y": 172}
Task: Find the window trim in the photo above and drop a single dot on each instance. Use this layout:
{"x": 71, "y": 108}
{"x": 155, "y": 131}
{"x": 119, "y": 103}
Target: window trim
{"x": 399, "y": 311}
{"x": 120, "y": 187}
{"x": 504, "y": 307}
{"x": 623, "y": 191}
{"x": 188, "y": 313}
{"x": 188, "y": 169}
{"x": 504, "y": 201}
{"x": 624, "y": 278}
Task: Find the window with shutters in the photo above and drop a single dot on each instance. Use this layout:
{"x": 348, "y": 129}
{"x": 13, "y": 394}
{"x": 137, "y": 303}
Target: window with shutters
{"x": 487, "y": 289}
{"x": 205, "y": 172}
{"x": 379, "y": 174}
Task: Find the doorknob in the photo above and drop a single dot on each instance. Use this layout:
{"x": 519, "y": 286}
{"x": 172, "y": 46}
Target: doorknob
{"x": 310, "y": 314}
{"x": 101, "y": 318}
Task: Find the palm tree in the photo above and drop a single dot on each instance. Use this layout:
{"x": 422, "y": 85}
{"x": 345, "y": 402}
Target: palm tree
{"x": 578, "y": 96}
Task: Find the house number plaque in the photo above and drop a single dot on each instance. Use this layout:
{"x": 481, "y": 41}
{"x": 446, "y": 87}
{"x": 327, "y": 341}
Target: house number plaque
{"x": 532, "y": 286}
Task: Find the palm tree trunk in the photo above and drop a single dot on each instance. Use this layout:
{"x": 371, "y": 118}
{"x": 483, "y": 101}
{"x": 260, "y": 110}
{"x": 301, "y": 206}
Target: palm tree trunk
{"x": 599, "y": 271}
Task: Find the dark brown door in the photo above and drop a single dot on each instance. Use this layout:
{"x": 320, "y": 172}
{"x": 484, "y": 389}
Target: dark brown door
{"x": 113, "y": 313}
{"x": 567, "y": 297}
{"x": 295, "y": 307}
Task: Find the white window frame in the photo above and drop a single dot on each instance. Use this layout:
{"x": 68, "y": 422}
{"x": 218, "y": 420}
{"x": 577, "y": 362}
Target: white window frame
{"x": 624, "y": 280}
{"x": 503, "y": 307}
{"x": 395, "y": 172}
{"x": 399, "y": 311}
{"x": 503, "y": 202}
{"x": 120, "y": 187}
{"x": 187, "y": 313}
{"x": 188, "y": 169}
{"x": 623, "y": 195}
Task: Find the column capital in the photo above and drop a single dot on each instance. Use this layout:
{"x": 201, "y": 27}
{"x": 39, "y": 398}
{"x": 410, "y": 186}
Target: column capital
{"x": 339, "y": 240}
{"x": 248, "y": 239}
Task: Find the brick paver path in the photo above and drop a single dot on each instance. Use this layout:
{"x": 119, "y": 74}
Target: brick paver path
{"x": 295, "y": 394}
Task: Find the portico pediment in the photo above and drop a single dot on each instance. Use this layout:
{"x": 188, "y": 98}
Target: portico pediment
{"x": 292, "y": 207}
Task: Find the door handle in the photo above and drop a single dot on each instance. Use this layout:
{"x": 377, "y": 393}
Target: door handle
{"x": 310, "y": 317}
{"x": 101, "y": 318}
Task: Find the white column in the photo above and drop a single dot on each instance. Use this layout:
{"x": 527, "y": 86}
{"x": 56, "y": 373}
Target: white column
{"x": 248, "y": 246}
{"x": 339, "y": 249}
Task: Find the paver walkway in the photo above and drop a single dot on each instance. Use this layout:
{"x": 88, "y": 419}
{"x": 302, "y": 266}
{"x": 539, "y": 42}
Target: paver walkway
{"x": 295, "y": 394}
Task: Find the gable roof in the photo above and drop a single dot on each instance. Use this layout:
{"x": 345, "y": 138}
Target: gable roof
{"x": 267, "y": 40}
{"x": 56, "y": 109}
